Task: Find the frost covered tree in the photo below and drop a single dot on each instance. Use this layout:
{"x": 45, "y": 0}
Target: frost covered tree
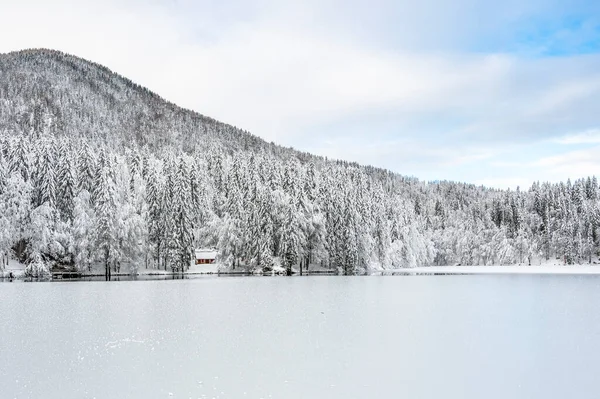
{"x": 65, "y": 182}
{"x": 291, "y": 237}
{"x": 155, "y": 215}
{"x": 44, "y": 181}
{"x": 181, "y": 238}
{"x": 42, "y": 244}
{"x": 128, "y": 224}
{"x": 105, "y": 209}
{"x": 84, "y": 231}
{"x": 86, "y": 168}
{"x": 15, "y": 203}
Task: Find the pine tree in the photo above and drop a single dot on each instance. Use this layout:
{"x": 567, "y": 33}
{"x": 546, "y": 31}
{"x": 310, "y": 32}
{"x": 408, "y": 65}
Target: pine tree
{"x": 65, "y": 183}
{"x": 290, "y": 241}
{"x": 44, "y": 176}
{"x": 6, "y": 228}
{"x": 3, "y": 173}
{"x": 154, "y": 198}
{"x": 105, "y": 208}
{"x": 84, "y": 231}
{"x": 15, "y": 206}
{"x": 182, "y": 230}
{"x": 167, "y": 216}
{"x": 86, "y": 170}
{"x": 20, "y": 158}
{"x": 41, "y": 233}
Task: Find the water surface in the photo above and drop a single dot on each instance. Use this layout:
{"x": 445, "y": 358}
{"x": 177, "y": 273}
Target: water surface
{"x": 501, "y": 336}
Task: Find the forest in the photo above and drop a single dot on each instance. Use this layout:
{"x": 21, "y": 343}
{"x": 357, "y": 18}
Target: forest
{"x": 72, "y": 202}
{"x": 97, "y": 170}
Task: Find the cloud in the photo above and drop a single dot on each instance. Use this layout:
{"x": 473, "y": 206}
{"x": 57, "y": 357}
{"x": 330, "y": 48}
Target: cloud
{"x": 566, "y": 165}
{"x": 577, "y": 163}
{"x": 591, "y": 136}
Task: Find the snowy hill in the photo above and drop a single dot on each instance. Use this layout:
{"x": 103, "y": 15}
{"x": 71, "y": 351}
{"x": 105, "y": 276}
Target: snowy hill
{"x": 96, "y": 169}
{"x": 56, "y": 93}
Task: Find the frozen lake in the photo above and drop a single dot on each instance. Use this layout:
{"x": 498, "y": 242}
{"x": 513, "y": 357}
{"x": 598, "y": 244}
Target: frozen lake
{"x": 463, "y": 336}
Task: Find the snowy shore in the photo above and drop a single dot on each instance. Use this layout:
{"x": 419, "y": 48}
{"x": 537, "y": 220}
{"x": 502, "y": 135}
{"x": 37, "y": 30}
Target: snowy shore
{"x": 545, "y": 269}
{"x": 18, "y": 270}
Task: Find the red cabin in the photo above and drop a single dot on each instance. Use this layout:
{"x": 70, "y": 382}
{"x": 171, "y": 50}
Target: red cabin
{"x": 205, "y": 256}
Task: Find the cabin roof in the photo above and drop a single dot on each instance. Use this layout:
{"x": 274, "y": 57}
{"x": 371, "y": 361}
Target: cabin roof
{"x": 206, "y": 253}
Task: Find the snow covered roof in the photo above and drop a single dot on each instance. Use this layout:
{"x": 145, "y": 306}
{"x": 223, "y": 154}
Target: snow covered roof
{"x": 206, "y": 253}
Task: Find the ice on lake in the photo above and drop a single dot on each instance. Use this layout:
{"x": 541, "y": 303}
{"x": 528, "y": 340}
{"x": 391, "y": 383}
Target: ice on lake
{"x": 526, "y": 336}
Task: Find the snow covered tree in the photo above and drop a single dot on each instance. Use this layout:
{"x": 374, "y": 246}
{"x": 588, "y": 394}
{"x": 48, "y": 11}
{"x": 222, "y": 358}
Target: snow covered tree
{"x": 155, "y": 215}
{"x": 84, "y": 231}
{"x": 15, "y": 204}
{"x": 128, "y": 225}
{"x": 65, "y": 180}
{"x": 291, "y": 237}
{"x": 86, "y": 169}
{"x": 41, "y": 234}
{"x": 105, "y": 208}
{"x": 37, "y": 267}
{"x": 44, "y": 176}
{"x": 20, "y": 158}
{"x": 182, "y": 238}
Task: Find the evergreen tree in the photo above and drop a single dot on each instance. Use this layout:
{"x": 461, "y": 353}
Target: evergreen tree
{"x": 44, "y": 176}
{"x": 65, "y": 183}
{"x": 105, "y": 208}
{"x": 154, "y": 199}
{"x": 84, "y": 231}
{"x": 182, "y": 229}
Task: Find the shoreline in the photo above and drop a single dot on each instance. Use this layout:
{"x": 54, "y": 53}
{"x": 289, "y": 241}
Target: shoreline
{"x": 458, "y": 270}
{"x": 66, "y": 276}
{"x": 421, "y": 270}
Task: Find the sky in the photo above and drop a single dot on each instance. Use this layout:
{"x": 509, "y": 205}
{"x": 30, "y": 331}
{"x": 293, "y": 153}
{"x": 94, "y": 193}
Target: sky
{"x": 480, "y": 91}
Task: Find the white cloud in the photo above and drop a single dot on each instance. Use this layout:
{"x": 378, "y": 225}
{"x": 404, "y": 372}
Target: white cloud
{"x": 572, "y": 164}
{"x": 568, "y": 93}
{"x": 591, "y": 136}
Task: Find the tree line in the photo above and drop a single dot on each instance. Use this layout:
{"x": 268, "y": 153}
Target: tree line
{"x": 79, "y": 203}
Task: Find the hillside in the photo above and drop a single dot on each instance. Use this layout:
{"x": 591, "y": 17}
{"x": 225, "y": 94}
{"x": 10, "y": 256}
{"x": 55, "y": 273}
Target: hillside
{"x": 46, "y": 91}
{"x": 96, "y": 169}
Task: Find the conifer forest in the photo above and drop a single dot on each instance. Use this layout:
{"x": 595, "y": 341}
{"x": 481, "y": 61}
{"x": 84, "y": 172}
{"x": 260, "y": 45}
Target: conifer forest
{"x": 96, "y": 170}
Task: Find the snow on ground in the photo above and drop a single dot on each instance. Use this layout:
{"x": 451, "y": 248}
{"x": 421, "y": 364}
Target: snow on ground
{"x": 544, "y": 269}
{"x": 194, "y": 269}
{"x": 313, "y": 267}
{"x": 203, "y": 269}
{"x": 98, "y": 269}
{"x": 538, "y": 266}
{"x": 14, "y": 265}
{"x": 17, "y": 269}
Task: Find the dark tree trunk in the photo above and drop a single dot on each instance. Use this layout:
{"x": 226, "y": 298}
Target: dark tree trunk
{"x": 106, "y": 265}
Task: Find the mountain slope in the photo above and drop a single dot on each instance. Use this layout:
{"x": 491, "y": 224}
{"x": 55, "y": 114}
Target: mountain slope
{"x": 46, "y": 91}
